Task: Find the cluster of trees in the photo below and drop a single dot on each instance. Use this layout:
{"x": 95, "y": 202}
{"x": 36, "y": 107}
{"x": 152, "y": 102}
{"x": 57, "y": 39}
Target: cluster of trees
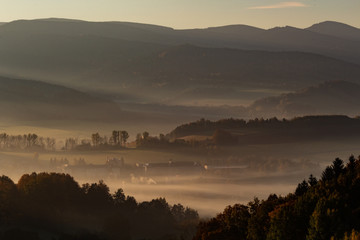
{"x": 26, "y": 142}
{"x": 118, "y": 139}
{"x": 323, "y": 209}
{"x": 56, "y": 205}
{"x": 145, "y": 140}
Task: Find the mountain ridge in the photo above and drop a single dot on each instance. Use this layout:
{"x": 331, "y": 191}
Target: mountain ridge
{"x": 336, "y": 29}
{"x": 245, "y": 37}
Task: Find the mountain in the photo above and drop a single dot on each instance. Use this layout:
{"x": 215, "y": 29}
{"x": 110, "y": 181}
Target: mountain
{"x": 69, "y": 59}
{"x": 336, "y": 29}
{"x": 159, "y": 64}
{"x": 26, "y": 100}
{"x": 155, "y": 71}
{"x": 70, "y": 27}
{"x": 339, "y": 97}
{"x": 191, "y": 65}
{"x": 239, "y": 29}
{"x": 41, "y": 33}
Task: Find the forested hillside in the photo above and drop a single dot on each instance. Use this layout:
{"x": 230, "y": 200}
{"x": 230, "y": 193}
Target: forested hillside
{"x": 273, "y": 130}
{"x": 54, "y": 206}
{"x": 323, "y": 209}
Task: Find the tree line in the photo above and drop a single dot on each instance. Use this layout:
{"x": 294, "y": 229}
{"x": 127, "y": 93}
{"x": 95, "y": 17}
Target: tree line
{"x": 220, "y": 132}
{"x": 323, "y": 209}
{"x": 118, "y": 139}
{"x": 29, "y": 141}
{"x": 207, "y": 127}
{"x": 57, "y": 205}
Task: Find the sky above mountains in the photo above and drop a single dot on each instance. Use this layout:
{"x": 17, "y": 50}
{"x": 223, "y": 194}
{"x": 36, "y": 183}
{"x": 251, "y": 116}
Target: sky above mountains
{"x": 189, "y": 13}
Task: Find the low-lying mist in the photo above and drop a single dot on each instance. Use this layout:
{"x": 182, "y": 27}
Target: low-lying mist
{"x": 208, "y": 188}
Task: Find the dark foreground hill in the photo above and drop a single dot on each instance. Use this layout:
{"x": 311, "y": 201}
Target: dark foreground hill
{"x": 324, "y": 209}
{"x": 26, "y": 100}
{"x": 54, "y": 206}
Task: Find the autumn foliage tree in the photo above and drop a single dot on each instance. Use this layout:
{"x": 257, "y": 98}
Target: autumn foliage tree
{"x": 324, "y": 209}
{"x": 56, "y": 204}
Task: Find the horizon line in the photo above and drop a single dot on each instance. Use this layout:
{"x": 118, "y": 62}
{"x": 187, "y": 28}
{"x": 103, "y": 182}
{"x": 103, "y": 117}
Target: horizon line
{"x": 164, "y": 26}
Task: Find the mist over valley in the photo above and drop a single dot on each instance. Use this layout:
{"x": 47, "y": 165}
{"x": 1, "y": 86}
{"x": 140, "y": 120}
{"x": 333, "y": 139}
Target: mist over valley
{"x": 150, "y": 132}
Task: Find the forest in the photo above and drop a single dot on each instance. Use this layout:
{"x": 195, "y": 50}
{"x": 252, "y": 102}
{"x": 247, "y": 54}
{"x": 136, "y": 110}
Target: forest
{"x": 54, "y": 206}
{"x": 312, "y": 123}
{"x": 327, "y": 208}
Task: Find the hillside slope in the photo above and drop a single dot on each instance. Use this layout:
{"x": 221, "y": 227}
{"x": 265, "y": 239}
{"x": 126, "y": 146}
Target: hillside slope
{"x": 26, "y": 100}
{"x": 273, "y": 130}
{"x": 318, "y": 209}
{"x": 339, "y": 97}
{"x": 188, "y": 64}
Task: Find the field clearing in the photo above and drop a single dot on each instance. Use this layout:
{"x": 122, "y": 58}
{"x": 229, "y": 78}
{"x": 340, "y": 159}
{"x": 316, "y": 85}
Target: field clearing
{"x": 131, "y": 156}
{"x": 196, "y": 138}
{"x": 320, "y": 152}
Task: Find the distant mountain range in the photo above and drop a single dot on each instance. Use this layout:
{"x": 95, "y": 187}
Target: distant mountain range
{"x": 155, "y": 63}
{"x": 76, "y": 62}
{"x": 328, "y": 38}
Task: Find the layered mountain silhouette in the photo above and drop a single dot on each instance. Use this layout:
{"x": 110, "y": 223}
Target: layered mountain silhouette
{"x": 187, "y": 64}
{"x": 339, "y": 97}
{"x": 24, "y": 100}
{"x": 322, "y": 38}
{"x": 154, "y": 64}
{"x": 149, "y": 60}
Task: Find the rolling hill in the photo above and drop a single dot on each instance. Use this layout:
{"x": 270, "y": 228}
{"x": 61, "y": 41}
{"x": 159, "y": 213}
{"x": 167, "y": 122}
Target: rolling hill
{"x": 339, "y": 97}
{"x": 191, "y": 65}
{"x": 28, "y": 100}
{"x": 273, "y": 130}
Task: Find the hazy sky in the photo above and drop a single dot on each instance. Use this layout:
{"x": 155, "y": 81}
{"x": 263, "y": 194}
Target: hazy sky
{"x": 189, "y": 13}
